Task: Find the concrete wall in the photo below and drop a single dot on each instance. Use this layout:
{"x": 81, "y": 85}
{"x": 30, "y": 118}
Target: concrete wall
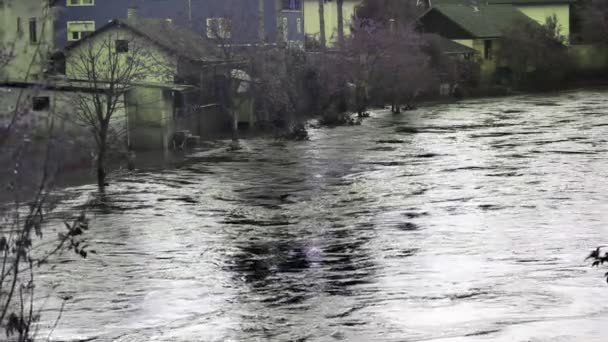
{"x": 155, "y": 65}
{"x": 61, "y": 110}
{"x": 15, "y": 16}
{"x": 540, "y": 13}
{"x": 311, "y": 18}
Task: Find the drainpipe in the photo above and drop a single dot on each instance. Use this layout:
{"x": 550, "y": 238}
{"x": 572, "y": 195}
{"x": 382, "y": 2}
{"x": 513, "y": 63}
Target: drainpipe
{"x": 190, "y": 13}
{"x": 261, "y": 29}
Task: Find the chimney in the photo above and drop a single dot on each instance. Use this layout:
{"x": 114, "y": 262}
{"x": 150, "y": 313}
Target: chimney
{"x": 132, "y": 13}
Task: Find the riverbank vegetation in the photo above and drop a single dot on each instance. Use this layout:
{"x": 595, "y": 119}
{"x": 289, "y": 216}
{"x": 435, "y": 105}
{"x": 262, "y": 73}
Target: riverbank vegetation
{"x": 29, "y": 163}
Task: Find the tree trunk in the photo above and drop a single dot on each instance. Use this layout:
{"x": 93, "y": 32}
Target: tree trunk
{"x": 322, "y": 39}
{"x": 101, "y": 156}
{"x": 340, "y": 4}
{"x": 235, "y": 125}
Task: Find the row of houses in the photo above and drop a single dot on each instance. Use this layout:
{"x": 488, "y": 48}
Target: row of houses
{"x": 480, "y": 25}
{"x": 58, "y": 23}
{"x": 45, "y": 42}
{"x": 46, "y": 37}
{"x": 43, "y": 39}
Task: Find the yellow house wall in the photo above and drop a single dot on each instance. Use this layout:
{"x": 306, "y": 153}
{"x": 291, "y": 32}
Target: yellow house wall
{"x": 465, "y": 42}
{"x": 540, "y": 13}
{"x": 158, "y": 65}
{"x": 488, "y": 66}
{"x": 150, "y": 113}
{"x": 25, "y": 52}
{"x": 311, "y": 18}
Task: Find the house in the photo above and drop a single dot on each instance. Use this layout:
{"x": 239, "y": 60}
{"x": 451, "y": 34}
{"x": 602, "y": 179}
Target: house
{"x": 540, "y": 10}
{"x": 477, "y": 27}
{"x": 537, "y": 10}
{"x": 172, "y": 89}
{"x": 26, "y": 38}
{"x": 47, "y": 105}
{"x": 312, "y": 27}
{"x": 291, "y": 22}
{"x": 241, "y": 22}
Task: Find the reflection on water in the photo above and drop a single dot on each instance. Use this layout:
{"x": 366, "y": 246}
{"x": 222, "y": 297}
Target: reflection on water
{"x": 459, "y": 222}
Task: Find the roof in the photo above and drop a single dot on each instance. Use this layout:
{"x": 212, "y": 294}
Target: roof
{"x": 175, "y": 39}
{"x": 529, "y": 2}
{"x": 486, "y": 21}
{"x": 447, "y": 46}
{"x": 502, "y": 2}
{"x": 63, "y": 84}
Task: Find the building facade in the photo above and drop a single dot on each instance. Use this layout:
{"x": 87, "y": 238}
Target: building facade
{"x": 312, "y": 27}
{"x": 26, "y": 38}
{"x": 243, "y": 22}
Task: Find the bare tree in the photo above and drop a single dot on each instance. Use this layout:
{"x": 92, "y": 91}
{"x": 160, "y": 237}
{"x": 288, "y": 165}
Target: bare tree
{"x": 232, "y": 79}
{"x": 29, "y": 161}
{"x": 108, "y": 66}
{"x": 404, "y": 12}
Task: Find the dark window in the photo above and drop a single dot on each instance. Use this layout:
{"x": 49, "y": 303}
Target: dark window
{"x": 33, "y": 31}
{"x": 41, "y": 103}
{"x": 122, "y": 46}
{"x": 487, "y": 49}
{"x": 292, "y": 5}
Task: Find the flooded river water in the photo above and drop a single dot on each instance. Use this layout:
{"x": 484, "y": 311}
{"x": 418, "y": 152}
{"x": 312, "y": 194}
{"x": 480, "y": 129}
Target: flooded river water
{"x": 460, "y": 222}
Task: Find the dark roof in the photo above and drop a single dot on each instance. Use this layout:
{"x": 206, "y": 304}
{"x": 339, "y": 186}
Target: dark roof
{"x": 486, "y": 21}
{"x": 175, "y": 39}
{"x": 447, "y": 46}
{"x": 529, "y": 2}
{"x": 501, "y": 2}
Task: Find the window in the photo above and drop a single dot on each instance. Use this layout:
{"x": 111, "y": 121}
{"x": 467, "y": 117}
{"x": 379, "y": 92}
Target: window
{"x": 122, "y": 46}
{"x": 487, "y": 49}
{"x": 79, "y": 29}
{"x": 40, "y": 103}
{"x": 285, "y": 26}
{"x": 33, "y": 31}
{"x": 219, "y": 28}
{"x": 81, "y": 2}
{"x": 19, "y": 27}
{"x": 292, "y": 5}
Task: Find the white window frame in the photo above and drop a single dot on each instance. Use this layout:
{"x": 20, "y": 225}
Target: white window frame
{"x": 80, "y": 36}
{"x": 71, "y": 3}
{"x": 225, "y": 32}
{"x": 285, "y": 28}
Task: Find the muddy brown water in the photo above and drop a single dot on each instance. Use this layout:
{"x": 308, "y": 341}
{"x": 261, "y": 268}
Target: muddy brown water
{"x": 461, "y": 222}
